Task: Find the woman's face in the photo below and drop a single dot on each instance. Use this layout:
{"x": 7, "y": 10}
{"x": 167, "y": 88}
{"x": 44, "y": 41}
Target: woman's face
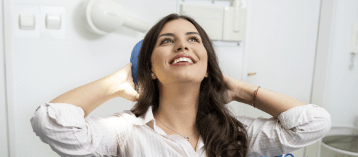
{"x": 179, "y": 37}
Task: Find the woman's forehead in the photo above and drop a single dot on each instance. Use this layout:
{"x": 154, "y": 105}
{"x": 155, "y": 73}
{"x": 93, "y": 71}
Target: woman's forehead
{"x": 178, "y": 26}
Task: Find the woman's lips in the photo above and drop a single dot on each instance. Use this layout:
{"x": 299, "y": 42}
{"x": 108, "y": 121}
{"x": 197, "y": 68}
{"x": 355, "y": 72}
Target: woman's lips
{"x": 182, "y": 55}
{"x": 182, "y": 64}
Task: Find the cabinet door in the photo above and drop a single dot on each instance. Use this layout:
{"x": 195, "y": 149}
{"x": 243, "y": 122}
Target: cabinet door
{"x": 230, "y": 57}
{"x": 280, "y": 48}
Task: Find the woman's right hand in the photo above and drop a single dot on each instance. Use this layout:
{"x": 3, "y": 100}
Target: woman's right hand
{"x": 122, "y": 84}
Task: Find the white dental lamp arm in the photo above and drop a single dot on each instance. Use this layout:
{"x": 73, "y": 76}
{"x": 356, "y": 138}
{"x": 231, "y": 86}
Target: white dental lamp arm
{"x": 105, "y": 16}
{"x": 135, "y": 24}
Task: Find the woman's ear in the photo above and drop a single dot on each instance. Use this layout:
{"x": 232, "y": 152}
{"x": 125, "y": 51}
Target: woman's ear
{"x": 153, "y": 76}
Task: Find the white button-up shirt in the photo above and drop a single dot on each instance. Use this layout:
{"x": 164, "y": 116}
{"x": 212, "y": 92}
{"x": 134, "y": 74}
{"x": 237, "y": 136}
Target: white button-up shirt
{"x": 65, "y": 129}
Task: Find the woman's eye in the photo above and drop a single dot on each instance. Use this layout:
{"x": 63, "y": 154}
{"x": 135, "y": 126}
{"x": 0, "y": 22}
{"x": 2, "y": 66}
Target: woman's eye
{"x": 166, "y": 41}
{"x": 193, "y": 39}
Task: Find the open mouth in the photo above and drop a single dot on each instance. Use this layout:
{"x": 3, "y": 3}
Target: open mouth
{"x": 181, "y": 63}
{"x": 181, "y": 60}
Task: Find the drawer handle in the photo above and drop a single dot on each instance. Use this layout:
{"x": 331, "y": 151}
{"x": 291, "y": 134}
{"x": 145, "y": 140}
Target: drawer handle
{"x": 251, "y": 74}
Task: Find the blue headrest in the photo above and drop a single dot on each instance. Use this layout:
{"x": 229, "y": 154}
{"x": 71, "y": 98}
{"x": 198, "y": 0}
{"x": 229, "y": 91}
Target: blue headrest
{"x": 134, "y": 61}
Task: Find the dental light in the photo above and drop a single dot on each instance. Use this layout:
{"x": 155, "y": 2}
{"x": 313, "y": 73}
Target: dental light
{"x": 106, "y": 16}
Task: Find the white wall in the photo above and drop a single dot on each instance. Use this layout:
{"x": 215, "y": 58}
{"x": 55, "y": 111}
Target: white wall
{"x": 3, "y": 116}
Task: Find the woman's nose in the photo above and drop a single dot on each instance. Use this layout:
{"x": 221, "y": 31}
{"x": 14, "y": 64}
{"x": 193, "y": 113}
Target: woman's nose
{"x": 181, "y": 47}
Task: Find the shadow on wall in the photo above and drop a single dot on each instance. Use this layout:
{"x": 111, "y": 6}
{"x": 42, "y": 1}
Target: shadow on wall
{"x": 80, "y": 25}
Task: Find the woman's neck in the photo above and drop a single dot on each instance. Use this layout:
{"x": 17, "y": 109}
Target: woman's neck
{"x": 178, "y": 105}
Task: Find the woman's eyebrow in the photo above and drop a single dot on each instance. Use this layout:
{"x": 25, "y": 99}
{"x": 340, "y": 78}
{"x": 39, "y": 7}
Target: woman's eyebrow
{"x": 171, "y": 34}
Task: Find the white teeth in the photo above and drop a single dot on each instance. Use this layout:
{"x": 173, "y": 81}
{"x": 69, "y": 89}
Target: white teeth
{"x": 182, "y": 59}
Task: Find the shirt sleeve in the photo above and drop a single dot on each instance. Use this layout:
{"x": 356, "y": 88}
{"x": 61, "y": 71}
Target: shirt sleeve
{"x": 293, "y": 129}
{"x": 68, "y": 133}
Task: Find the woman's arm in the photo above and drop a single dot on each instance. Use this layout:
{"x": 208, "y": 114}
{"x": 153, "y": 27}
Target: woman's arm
{"x": 62, "y": 125}
{"x": 268, "y": 101}
{"x": 88, "y": 96}
{"x": 94, "y": 94}
{"x": 294, "y": 124}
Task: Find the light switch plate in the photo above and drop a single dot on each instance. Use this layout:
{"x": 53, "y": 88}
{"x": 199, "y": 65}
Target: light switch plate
{"x": 27, "y": 21}
{"x": 53, "y": 21}
{"x": 47, "y": 33}
{"x": 18, "y": 9}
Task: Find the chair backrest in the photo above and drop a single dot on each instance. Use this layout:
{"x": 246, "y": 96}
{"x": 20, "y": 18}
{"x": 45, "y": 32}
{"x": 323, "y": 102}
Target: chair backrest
{"x": 134, "y": 61}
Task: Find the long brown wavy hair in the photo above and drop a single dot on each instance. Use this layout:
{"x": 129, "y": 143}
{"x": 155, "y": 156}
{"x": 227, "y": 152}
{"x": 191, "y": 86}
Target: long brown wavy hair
{"x": 222, "y": 133}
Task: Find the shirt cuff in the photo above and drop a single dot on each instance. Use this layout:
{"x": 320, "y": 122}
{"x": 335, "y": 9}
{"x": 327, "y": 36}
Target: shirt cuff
{"x": 298, "y": 115}
{"x": 66, "y": 115}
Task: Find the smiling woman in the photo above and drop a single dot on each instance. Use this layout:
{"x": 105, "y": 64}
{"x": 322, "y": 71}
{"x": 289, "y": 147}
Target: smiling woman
{"x": 181, "y": 110}
{"x": 188, "y": 99}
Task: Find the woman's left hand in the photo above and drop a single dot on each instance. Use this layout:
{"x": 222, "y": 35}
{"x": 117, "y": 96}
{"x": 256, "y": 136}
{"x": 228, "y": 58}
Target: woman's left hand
{"x": 233, "y": 90}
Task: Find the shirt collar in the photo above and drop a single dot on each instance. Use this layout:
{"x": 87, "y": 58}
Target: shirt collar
{"x": 148, "y": 117}
{"x": 141, "y": 120}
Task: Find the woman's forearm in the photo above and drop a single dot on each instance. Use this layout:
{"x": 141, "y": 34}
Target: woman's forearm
{"x": 88, "y": 96}
{"x": 268, "y": 101}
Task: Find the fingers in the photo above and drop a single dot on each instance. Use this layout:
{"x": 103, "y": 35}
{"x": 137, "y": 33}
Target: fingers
{"x": 129, "y": 70}
{"x": 126, "y": 72}
{"x": 128, "y": 67}
{"x": 136, "y": 97}
{"x": 129, "y": 93}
